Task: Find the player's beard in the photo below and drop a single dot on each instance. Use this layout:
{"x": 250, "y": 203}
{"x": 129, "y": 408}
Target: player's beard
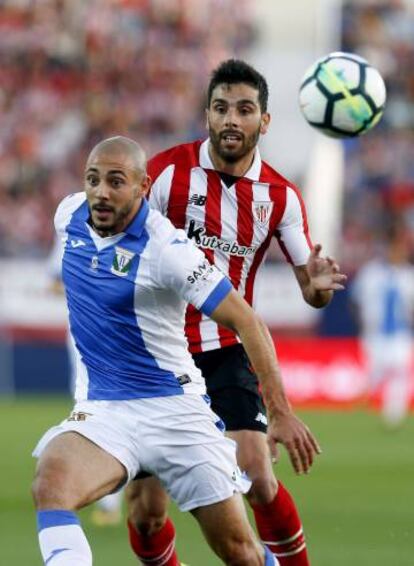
{"x": 118, "y": 223}
{"x": 232, "y": 156}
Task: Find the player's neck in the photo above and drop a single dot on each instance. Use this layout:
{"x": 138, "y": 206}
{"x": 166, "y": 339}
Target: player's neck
{"x": 238, "y": 168}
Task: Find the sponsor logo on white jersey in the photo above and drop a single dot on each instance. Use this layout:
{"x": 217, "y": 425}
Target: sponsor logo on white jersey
{"x": 198, "y": 234}
{"x": 202, "y": 272}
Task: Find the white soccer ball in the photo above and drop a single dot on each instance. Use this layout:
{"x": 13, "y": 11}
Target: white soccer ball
{"x": 342, "y": 95}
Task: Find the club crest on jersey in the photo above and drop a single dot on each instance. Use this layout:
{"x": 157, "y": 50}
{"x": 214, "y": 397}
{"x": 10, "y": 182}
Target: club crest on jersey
{"x": 122, "y": 261}
{"x": 262, "y": 210}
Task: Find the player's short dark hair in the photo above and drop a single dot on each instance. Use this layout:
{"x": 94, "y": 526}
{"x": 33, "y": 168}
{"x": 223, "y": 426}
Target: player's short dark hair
{"x": 235, "y": 71}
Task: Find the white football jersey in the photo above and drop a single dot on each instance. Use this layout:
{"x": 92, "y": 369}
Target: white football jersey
{"x": 127, "y": 296}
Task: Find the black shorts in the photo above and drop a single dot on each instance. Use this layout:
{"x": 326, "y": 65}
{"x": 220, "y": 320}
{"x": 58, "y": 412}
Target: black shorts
{"x": 233, "y": 388}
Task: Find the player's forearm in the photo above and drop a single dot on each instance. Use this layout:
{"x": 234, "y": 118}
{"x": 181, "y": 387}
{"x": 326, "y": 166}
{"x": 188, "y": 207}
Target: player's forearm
{"x": 260, "y": 349}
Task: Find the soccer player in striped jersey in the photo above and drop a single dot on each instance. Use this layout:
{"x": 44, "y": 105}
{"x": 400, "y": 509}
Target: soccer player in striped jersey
{"x": 231, "y": 204}
{"x": 140, "y": 399}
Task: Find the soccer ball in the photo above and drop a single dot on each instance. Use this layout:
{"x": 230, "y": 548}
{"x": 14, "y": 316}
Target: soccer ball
{"x": 342, "y": 95}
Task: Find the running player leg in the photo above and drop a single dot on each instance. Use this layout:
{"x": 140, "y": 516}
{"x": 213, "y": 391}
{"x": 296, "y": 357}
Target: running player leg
{"x": 72, "y": 472}
{"x": 275, "y": 513}
{"x": 241, "y": 408}
{"x": 151, "y": 531}
{"x": 227, "y": 530}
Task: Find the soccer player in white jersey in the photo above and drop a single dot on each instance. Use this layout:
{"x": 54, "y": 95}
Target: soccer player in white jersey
{"x": 231, "y": 203}
{"x": 140, "y": 399}
{"x": 383, "y": 292}
{"x": 108, "y": 510}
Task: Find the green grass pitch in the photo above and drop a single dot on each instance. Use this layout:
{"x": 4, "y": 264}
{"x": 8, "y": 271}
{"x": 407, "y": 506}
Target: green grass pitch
{"x": 357, "y": 504}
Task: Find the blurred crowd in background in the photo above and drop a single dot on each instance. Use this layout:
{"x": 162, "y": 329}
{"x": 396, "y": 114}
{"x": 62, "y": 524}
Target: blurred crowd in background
{"x": 73, "y": 72}
{"x": 379, "y": 173}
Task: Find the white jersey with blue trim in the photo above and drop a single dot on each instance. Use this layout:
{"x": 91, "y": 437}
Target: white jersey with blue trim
{"x": 127, "y": 296}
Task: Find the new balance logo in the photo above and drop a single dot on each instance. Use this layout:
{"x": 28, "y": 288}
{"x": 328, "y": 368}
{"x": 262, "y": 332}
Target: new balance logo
{"x": 197, "y": 200}
{"x": 77, "y": 243}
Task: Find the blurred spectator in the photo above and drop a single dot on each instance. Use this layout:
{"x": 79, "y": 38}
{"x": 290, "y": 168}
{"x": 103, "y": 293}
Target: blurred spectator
{"x": 383, "y": 292}
{"x": 73, "y": 72}
{"x": 379, "y": 181}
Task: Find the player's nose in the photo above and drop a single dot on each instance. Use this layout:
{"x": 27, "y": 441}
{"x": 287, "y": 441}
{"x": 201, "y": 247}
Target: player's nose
{"x": 102, "y": 190}
{"x": 231, "y": 118}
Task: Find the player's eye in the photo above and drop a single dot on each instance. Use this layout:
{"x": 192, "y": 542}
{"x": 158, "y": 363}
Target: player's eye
{"x": 220, "y": 109}
{"x": 92, "y": 180}
{"x": 116, "y": 182}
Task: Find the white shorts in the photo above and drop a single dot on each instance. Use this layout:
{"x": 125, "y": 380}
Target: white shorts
{"x": 388, "y": 354}
{"x": 174, "y": 438}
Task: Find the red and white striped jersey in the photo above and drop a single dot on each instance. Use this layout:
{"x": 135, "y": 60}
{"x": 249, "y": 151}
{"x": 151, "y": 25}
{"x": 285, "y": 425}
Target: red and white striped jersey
{"x": 232, "y": 225}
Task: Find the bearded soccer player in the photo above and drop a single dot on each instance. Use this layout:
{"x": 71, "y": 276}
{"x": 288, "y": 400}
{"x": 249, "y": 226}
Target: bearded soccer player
{"x": 140, "y": 399}
{"x": 231, "y": 203}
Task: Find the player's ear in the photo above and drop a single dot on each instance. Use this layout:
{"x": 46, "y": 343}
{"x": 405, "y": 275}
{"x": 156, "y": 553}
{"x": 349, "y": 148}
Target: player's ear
{"x": 207, "y": 115}
{"x": 145, "y": 185}
{"x": 264, "y": 122}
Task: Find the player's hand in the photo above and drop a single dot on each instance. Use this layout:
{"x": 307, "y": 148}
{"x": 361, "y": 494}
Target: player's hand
{"x": 301, "y": 445}
{"x": 324, "y": 272}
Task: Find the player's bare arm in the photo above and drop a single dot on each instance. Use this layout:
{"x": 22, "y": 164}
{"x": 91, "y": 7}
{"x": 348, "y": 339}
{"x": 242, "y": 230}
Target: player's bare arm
{"x": 284, "y": 427}
{"x": 319, "y": 278}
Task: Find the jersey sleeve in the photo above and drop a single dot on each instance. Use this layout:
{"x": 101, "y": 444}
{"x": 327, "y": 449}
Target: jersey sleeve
{"x": 54, "y": 261}
{"x": 292, "y": 232}
{"x": 65, "y": 210}
{"x": 161, "y": 177}
{"x": 183, "y": 268}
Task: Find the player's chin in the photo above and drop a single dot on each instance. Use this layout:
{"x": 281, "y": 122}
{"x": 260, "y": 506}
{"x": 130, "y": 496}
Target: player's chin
{"x": 103, "y": 225}
{"x": 231, "y": 154}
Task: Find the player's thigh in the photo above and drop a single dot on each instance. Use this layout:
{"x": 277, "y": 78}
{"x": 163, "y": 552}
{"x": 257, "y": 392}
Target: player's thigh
{"x": 253, "y": 454}
{"x": 74, "y": 469}
{"x": 189, "y": 452}
{"x": 227, "y": 529}
{"x": 146, "y": 499}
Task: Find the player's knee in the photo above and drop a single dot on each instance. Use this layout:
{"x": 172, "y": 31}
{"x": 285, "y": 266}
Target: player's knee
{"x": 147, "y": 507}
{"x": 49, "y": 487}
{"x": 147, "y": 518}
{"x": 263, "y": 489}
{"x": 149, "y": 525}
{"x": 236, "y": 552}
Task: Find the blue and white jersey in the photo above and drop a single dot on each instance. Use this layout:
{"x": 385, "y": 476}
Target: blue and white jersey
{"x": 127, "y": 295}
{"x": 384, "y": 294}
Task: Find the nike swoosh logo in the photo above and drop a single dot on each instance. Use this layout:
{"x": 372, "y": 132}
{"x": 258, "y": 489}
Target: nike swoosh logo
{"x": 55, "y": 553}
{"x": 77, "y": 243}
{"x": 177, "y": 241}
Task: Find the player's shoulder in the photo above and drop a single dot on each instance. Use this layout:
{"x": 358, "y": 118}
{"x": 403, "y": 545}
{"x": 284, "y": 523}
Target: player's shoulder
{"x": 185, "y": 154}
{"x": 160, "y": 228}
{"x": 275, "y": 179}
{"x": 67, "y": 207}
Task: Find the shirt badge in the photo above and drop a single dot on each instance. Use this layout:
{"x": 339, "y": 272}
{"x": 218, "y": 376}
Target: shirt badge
{"x": 262, "y": 211}
{"x": 122, "y": 261}
{"x": 94, "y": 262}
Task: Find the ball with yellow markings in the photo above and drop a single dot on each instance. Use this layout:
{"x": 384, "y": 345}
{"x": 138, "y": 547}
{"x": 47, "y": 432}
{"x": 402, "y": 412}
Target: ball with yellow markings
{"x": 342, "y": 95}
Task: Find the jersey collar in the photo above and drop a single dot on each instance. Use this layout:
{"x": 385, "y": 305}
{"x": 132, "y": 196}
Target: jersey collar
{"x": 136, "y": 227}
{"x": 253, "y": 173}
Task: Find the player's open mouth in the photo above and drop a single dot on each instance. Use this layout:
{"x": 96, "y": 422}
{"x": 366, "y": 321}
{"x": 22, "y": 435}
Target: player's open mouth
{"x": 231, "y": 137}
{"x": 102, "y": 212}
